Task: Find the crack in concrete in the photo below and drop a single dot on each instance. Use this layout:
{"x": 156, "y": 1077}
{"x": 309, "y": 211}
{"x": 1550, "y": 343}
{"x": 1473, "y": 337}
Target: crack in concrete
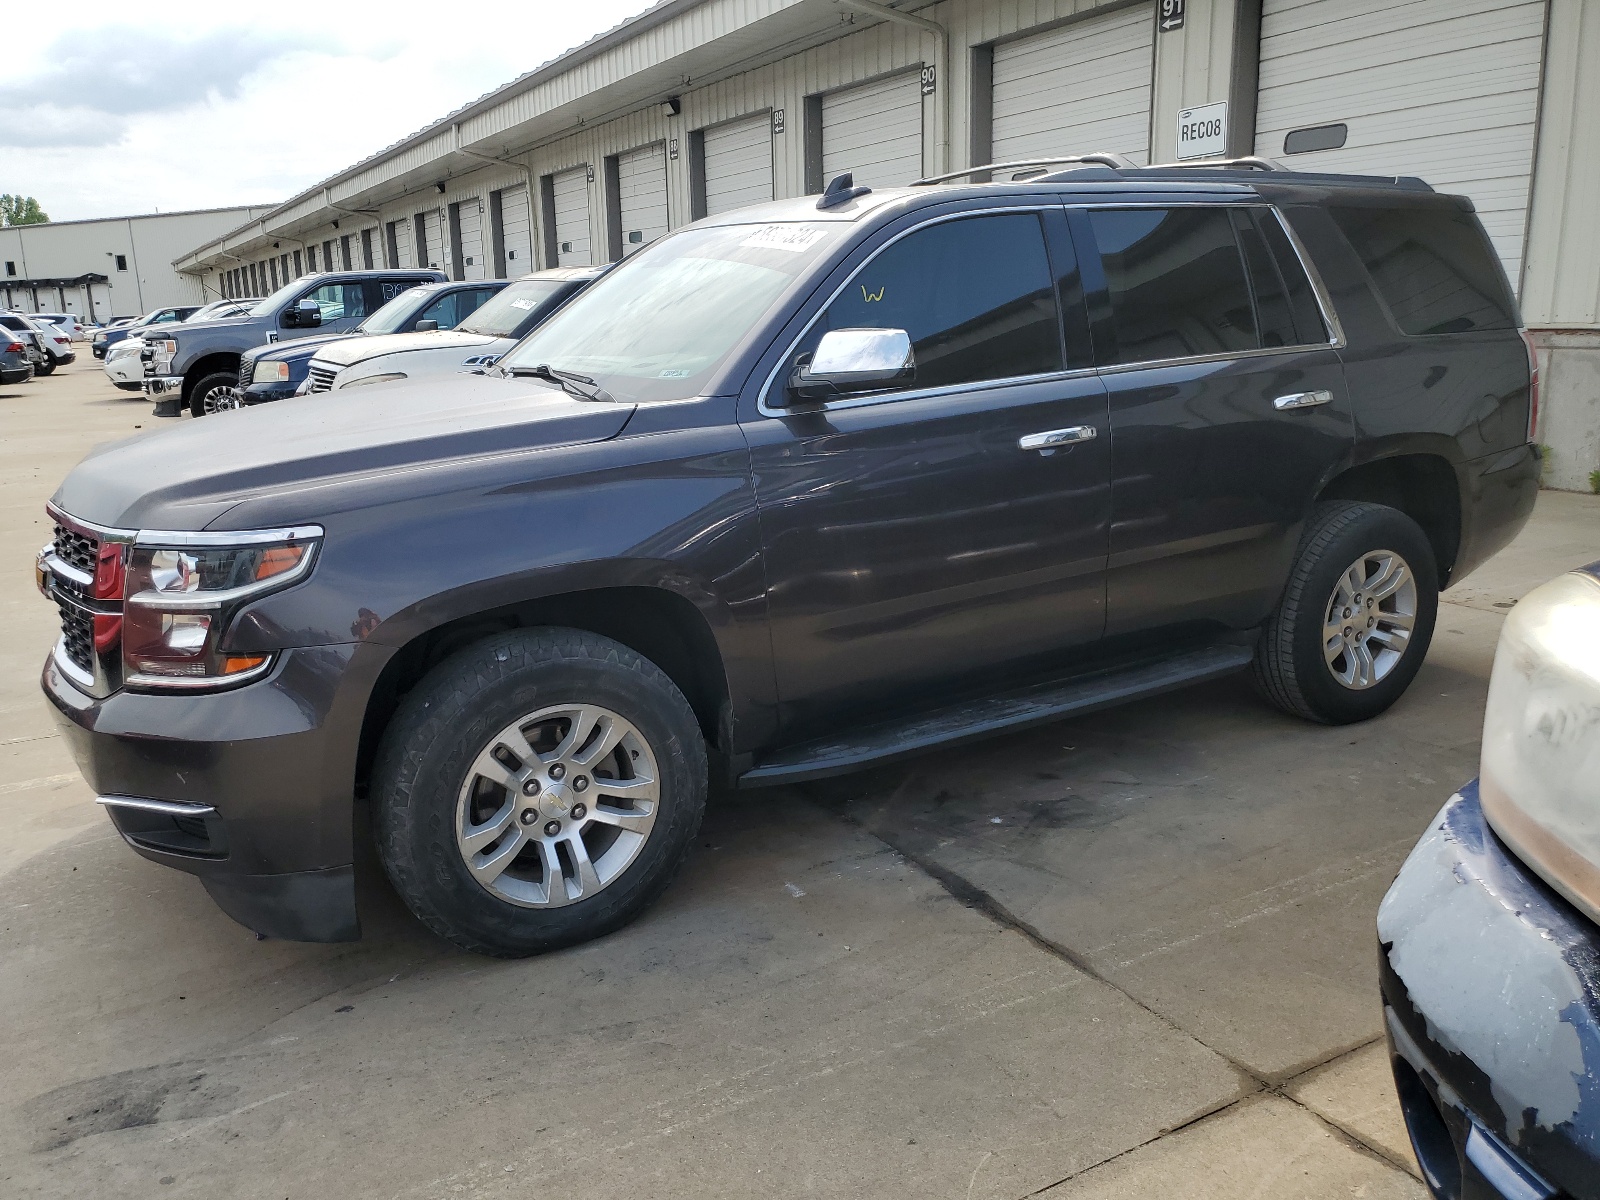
{"x": 977, "y": 898}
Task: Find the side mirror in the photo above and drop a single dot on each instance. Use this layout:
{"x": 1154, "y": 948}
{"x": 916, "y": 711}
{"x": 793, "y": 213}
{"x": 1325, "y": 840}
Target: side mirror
{"x": 307, "y": 314}
{"x": 854, "y": 360}
{"x": 425, "y": 326}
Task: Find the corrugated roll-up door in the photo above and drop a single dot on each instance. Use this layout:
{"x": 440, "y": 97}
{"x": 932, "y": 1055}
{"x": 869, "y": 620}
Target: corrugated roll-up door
{"x": 470, "y": 214}
{"x": 1077, "y": 89}
{"x": 400, "y": 242}
{"x": 874, "y": 131}
{"x": 1444, "y": 89}
{"x": 516, "y": 233}
{"x": 572, "y": 218}
{"x": 738, "y": 164}
{"x": 435, "y": 236}
{"x": 642, "y": 196}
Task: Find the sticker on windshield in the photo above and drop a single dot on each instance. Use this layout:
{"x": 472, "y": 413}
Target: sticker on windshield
{"x": 524, "y": 304}
{"x": 795, "y": 240}
{"x": 674, "y": 373}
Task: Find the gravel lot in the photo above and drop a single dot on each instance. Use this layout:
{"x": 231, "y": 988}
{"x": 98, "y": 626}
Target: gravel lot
{"x": 1123, "y": 956}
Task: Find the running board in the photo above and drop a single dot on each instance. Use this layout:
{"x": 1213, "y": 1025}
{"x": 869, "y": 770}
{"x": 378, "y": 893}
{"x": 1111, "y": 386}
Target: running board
{"x": 997, "y": 714}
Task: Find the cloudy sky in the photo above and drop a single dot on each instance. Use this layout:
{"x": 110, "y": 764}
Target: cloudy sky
{"x": 196, "y": 105}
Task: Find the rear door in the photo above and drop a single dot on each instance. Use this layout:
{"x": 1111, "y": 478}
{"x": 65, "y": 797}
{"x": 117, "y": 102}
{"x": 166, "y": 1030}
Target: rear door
{"x": 914, "y": 547}
{"x": 1228, "y": 409}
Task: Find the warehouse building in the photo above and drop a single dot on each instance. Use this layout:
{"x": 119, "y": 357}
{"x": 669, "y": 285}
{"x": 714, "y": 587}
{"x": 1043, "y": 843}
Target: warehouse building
{"x": 114, "y": 266}
{"x": 699, "y": 106}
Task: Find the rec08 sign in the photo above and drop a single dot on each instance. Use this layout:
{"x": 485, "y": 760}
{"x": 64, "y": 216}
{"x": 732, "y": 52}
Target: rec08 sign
{"x": 1203, "y": 131}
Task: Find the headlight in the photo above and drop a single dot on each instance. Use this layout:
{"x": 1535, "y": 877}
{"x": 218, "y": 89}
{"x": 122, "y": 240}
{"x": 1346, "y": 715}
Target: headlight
{"x": 386, "y": 377}
{"x": 270, "y": 371}
{"x": 183, "y": 589}
{"x": 165, "y": 352}
{"x": 1540, "y": 782}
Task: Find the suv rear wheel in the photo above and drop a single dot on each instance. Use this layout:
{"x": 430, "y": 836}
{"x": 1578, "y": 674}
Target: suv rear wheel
{"x": 537, "y": 789}
{"x": 1356, "y": 618}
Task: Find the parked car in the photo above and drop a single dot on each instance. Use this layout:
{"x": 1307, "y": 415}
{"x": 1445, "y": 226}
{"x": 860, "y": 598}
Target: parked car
{"x": 1490, "y": 935}
{"x": 54, "y": 344}
{"x": 68, "y": 322}
{"x": 123, "y": 366}
{"x": 45, "y": 346}
{"x": 793, "y": 490}
{"x": 112, "y": 334}
{"x": 276, "y": 370}
{"x": 223, "y": 308}
{"x": 16, "y": 365}
{"x": 195, "y": 368}
{"x": 475, "y": 343}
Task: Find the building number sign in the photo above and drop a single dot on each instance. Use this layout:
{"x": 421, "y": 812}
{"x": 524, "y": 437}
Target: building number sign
{"x": 929, "y": 80}
{"x": 1170, "y": 16}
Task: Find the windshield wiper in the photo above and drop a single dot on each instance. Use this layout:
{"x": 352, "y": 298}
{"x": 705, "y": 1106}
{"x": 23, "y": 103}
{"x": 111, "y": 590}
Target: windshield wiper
{"x": 580, "y": 386}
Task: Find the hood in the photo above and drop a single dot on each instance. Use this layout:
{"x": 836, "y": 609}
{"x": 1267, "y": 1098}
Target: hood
{"x": 297, "y": 348}
{"x": 187, "y": 476}
{"x": 178, "y": 328}
{"x": 396, "y": 343}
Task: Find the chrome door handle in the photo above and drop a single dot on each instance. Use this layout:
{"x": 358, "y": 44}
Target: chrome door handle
{"x": 1054, "y": 438}
{"x": 1301, "y": 400}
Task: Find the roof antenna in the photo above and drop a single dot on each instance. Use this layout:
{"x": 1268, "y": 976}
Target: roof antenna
{"x": 841, "y": 190}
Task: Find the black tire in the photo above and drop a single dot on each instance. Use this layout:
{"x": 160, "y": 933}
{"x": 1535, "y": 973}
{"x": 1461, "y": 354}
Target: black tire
{"x": 444, "y": 723}
{"x": 198, "y": 393}
{"x": 1291, "y": 669}
{"x": 47, "y": 367}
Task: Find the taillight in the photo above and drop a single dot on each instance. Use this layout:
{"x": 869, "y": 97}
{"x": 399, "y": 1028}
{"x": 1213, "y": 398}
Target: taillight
{"x": 1533, "y": 385}
{"x": 14, "y": 348}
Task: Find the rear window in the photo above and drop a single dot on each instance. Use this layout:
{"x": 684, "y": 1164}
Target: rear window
{"x": 1433, "y": 267}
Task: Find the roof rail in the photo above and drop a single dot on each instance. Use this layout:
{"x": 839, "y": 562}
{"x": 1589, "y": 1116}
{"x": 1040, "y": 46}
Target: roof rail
{"x": 1100, "y": 158}
{"x": 1253, "y": 162}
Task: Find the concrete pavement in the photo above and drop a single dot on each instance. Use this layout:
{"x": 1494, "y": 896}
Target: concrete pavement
{"x": 1122, "y": 956}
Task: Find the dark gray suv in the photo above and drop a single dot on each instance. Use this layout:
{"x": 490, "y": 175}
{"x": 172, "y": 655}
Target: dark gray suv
{"x": 793, "y": 490}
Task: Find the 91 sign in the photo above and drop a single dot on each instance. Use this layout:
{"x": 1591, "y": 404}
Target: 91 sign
{"x": 1170, "y": 16}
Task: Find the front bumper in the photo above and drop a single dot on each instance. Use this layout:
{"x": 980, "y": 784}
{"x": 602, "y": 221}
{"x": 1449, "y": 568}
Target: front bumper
{"x": 124, "y": 370}
{"x": 1491, "y": 989}
{"x": 253, "y": 786}
{"x": 98, "y": 349}
{"x": 156, "y": 386}
{"x": 266, "y": 393}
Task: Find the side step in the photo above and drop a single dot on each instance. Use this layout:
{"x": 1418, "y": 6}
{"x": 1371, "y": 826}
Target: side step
{"x": 1036, "y": 705}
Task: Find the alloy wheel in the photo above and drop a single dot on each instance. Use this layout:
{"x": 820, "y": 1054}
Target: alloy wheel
{"x": 1367, "y": 626}
{"x": 219, "y": 399}
{"x": 557, "y": 805}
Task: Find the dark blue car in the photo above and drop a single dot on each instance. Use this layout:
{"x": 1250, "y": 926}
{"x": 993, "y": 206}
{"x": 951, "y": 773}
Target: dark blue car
{"x": 1490, "y": 935}
{"x": 276, "y": 371}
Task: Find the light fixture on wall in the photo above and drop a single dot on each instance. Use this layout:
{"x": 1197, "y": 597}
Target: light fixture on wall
{"x": 671, "y": 106}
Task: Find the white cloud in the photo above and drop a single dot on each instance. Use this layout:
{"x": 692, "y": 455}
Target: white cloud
{"x": 195, "y": 110}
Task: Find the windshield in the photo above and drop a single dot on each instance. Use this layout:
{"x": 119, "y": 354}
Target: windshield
{"x": 395, "y": 314}
{"x": 656, "y": 327}
{"x": 501, "y": 315}
{"x": 270, "y": 305}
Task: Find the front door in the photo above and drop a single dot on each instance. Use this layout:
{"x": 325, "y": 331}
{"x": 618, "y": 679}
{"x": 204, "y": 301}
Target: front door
{"x": 914, "y": 548}
{"x": 344, "y": 306}
{"x": 1228, "y": 410}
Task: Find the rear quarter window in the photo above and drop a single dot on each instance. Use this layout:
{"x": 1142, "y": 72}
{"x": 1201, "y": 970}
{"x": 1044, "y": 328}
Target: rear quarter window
{"x": 1434, "y": 268}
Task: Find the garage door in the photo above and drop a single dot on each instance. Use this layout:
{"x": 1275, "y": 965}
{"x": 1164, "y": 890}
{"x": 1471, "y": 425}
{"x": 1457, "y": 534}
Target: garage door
{"x": 426, "y": 233}
{"x": 1444, "y": 89}
{"x": 874, "y": 131}
{"x": 1077, "y": 89}
{"x": 572, "y": 218}
{"x": 469, "y": 228}
{"x": 642, "y": 196}
{"x": 738, "y": 164}
{"x": 516, "y": 234}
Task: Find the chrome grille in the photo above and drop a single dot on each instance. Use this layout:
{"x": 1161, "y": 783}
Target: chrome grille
{"x": 77, "y": 636}
{"x": 77, "y": 549}
{"x": 321, "y": 379}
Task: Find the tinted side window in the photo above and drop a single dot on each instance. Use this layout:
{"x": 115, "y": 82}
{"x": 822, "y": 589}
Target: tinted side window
{"x": 340, "y": 300}
{"x": 974, "y": 294}
{"x": 1302, "y": 299}
{"x": 1273, "y": 314}
{"x": 1177, "y": 283}
{"x": 1433, "y": 267}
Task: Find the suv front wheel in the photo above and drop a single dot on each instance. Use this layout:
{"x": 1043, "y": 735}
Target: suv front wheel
{"x": 1356, "y": 617}
{"x": 537, "y": 789}
{"x": 213, "y": 394}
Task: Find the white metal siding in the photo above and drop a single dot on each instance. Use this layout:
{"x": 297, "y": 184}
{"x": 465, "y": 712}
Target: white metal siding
{"x": 642, "y": 196}
{"x": 874, "y": 131}
{"x": 516, "y": 235}
{"x": 1080, "y": 88}
{"x": 738, "y": 164}
{"x": 1444, "y": 89}
{"x": 572, "y": 218}
{"x": 470, "y": 217}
